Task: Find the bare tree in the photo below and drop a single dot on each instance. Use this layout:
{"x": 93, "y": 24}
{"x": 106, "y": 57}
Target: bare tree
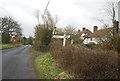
{"x": 43, "y": 32}
{"x": 47, "y": 19}
{"x": 37, "y": 15}
{"x": 110, "y": 37}
{"x": 105, "y": 25}
{"x": 74, "y": 38}
{"x": 111, "y": 10}
{"x": 69, "y": 30}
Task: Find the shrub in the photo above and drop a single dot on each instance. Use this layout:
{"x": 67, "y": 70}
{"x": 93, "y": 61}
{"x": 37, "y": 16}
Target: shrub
{"x": 112, "y": 44}
{"x": 89, "y": 45}
{"x": 44, "y": 48}
{"x": 86, "y": 63}
{"x": 117, "y": 47}
{"x": 42, "y": 38}
{"x": 5, "y": 38}
{"x": 46, "y": 36}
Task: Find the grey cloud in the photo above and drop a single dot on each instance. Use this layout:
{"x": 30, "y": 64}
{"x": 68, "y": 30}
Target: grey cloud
{"x": 79, "y": 13}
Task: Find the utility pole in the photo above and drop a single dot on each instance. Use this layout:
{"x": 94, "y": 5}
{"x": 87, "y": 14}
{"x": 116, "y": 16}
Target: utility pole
{"x": 45, "y": 10}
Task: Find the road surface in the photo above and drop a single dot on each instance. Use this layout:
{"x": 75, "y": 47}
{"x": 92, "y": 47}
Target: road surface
{"x": 16, "y": 63}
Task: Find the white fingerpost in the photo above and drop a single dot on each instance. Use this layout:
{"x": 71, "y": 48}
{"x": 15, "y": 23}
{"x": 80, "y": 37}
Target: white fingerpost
{"x": 62, "y": 37}
{"x": 72, "y": 41}
{"x": 64, "y": 40}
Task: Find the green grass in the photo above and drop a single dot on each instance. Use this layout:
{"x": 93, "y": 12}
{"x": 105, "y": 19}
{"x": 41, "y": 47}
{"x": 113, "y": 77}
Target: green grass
{"x": 46, "y": 68}
{"x": 6, "y": 46}
{"x": 32, "y": 50}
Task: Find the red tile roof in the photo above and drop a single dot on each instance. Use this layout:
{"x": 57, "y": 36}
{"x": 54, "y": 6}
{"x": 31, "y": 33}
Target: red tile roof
{"x": 99, "y": 32}
{"x": 85, "y": 31}
{"x": 14, "y": 39}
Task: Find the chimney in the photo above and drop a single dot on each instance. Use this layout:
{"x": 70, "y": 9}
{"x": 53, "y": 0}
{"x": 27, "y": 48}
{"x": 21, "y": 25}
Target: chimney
{"x": 116, "y": 28}
{"x": 83, "y": 28}
{"x": 95, "y": 28}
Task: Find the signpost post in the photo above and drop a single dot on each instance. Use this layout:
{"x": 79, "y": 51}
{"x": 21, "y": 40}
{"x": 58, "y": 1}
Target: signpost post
{"x": 62, "y": 37}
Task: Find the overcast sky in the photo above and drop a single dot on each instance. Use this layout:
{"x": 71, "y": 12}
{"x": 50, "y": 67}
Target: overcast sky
{"x": 78, "y": 13}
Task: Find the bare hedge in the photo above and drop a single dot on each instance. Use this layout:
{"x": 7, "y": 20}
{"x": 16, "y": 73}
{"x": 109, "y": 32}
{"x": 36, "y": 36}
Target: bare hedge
{"x": 86, "y": 63}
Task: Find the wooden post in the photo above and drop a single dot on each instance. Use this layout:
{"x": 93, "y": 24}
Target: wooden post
{"x": 64, "y": 40}
{"x": 72, "y": 41}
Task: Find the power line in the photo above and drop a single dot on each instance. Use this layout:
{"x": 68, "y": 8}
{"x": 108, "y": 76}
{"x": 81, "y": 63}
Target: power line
{"x": 45, "y": 10}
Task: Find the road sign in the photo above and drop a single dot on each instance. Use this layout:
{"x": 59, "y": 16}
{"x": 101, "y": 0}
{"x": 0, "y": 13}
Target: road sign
{"x": 62, "y": 37}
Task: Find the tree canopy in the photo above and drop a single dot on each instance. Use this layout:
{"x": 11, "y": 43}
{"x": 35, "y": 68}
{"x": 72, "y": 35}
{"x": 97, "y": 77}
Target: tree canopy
{"x": 8, "y": 28}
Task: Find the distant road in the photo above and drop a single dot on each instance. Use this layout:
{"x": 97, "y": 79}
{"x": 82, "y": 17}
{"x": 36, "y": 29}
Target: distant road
{"x": 16, "y": 63}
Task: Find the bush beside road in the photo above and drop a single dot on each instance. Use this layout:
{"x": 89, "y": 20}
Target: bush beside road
{"x": 85, "y": 63}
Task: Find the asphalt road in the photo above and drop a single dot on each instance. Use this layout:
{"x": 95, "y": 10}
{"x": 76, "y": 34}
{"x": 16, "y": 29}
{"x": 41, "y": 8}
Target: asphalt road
{"x": 16, "y": 63}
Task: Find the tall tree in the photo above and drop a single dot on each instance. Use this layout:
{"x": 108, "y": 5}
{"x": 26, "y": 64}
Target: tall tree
{"x": 37, "y": 15}
{"x": 9, "y": 27}
{"x": 70, "y": 30}
{"x": 110, "y": 39}
{"x": 48, "y": 19}
{"x": 24, "y": 40}
{"x": 30, "y": 40}
{"x": 43, "y": 32}
{"x": 111, "y": 11}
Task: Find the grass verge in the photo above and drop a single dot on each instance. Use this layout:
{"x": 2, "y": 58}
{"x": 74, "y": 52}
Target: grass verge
{"x": 33, "y": 51}
{"x": 46, "y": 68}
{"x": 6, "y": 46}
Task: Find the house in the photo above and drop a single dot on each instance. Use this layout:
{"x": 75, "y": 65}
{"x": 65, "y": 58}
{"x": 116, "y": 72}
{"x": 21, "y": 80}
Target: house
{"x": 14, "y": 39}
{"x": 91, "y": 37}
{"x": 99, "y": 34}
{"x": 83, "y": 33}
